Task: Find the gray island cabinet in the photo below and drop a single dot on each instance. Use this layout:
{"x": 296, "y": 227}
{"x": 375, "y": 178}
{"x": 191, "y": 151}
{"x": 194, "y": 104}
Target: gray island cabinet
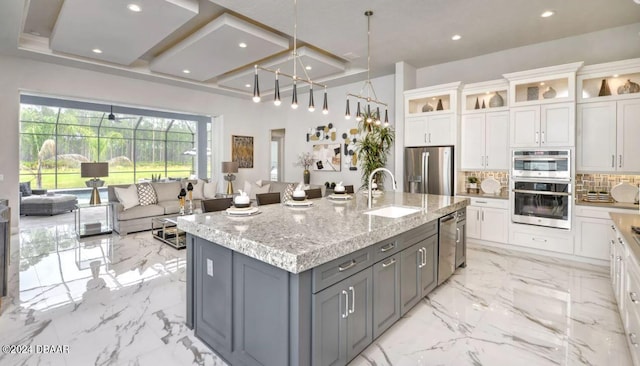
{"x": 309, "y": 287}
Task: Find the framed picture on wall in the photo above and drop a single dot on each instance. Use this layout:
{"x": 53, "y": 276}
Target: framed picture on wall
{"x": 327, "y": 157}
{"x": 242, "y": 151}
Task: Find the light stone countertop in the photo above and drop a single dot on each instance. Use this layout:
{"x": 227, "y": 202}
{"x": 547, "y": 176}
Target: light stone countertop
{"x": 297, "y": 239}
{"x": 502, "y": 196}
{"x": 623, "y": 223}
{"x": 628, "y": 206}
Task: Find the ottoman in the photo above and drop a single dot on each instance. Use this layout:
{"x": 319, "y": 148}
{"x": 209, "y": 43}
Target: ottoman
{"x": 47, "y": 205}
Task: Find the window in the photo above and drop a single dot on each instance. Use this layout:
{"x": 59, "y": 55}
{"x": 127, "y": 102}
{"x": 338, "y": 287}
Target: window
{"x": 57, "y": 135}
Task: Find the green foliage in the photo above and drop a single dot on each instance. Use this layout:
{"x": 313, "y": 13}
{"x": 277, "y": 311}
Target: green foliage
{"x": 373, "y": 148}
{"x": 472, "y": 179}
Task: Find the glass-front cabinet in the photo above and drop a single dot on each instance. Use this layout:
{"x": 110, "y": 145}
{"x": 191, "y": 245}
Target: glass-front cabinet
{"x": 545, "y": 85}
{"x": 431, "y": 100}
{"x": 609, "y": 81}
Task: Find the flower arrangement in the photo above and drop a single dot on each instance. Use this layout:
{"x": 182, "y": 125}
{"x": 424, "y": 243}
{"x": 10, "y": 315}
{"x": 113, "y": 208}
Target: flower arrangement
{"x": 305, "y": 160}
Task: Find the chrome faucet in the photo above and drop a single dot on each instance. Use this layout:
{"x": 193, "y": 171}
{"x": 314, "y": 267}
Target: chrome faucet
{"x": 395, "y": 186}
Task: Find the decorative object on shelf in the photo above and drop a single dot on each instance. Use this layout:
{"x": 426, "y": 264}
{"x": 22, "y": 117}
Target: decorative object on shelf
{"x": 532, "y": 93}
{"x": 296, "y": 59}
{"x": 490, "y": 185}
{"x": 483, "y": 105}
{"x": 373, "y": 150}
{"x": 305, "y": 160}
{"x": 228, "y": 168}
{"x": 370, "y": 96}
{"x": 242, "y": 151}
{"x": 427, "y": 108}
{"x": 190, "y": 193}
{"x": 439, "y": 106}
{"x": 629, "y": 88}
{"x": 550, "y": 93}
{"x": 604, "y": 89}
{"x": 477, "y": 106}
{"x": 94, "y": 170}
{"x": 496, "y": 101}
{"x": 328, "y": 157}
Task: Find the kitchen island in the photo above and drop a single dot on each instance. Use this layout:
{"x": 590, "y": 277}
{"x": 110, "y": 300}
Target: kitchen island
{"x": 312, "y": 285}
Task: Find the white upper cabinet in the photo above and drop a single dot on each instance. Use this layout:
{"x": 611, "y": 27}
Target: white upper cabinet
{"x": 431, "y": 115}
{"x": 608, "y": 123}
{"x": 542, "y": 104}
{"x": 484, "y": 129}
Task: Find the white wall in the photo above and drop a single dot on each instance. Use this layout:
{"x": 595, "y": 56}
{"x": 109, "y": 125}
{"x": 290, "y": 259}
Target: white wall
{"x": 299, "y": 121}
{"x": 240, "y": 116}
{"x": 604, "y": 46}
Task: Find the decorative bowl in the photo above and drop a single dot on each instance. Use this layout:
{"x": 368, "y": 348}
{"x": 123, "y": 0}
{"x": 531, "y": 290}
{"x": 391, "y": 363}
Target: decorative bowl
{"x": 300, "y": 198}
{"x": 241, "y": 205}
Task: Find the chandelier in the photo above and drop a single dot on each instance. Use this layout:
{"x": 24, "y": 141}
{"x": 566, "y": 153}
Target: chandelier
{"x": 368, "y": 93}
{"x": 306, "y": 79}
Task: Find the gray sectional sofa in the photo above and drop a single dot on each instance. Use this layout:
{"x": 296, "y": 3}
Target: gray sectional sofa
{"x": 138, "y": 218}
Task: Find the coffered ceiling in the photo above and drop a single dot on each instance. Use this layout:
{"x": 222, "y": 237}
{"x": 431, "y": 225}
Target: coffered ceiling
{"x": 196, "y": 42}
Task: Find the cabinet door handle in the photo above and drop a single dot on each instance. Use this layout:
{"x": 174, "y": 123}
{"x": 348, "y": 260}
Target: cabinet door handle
{"x": 429, "y": 136}
{"x": 537, "y": 134}
{"x": 419, "y": 259}
{"x": 486, "y": 161}
{"x": 353, "y": 300}
{"x": 425, "y": 137}
{"x": 388, "y": 247}
{"x": 613, "y": 161}
{"x": 424, "y": 256}
{"x": 388, "y": 263}
{"x": 482, "y": 215}
{"x": 478, "y": 215}
{"x": 619, "y": 240}
{"x": 540, "y": 240}
{"x": 613, "y": 228}
{"x": 632, "y": 339}
{"x": 542, "y": 133}
{"x": 633, "y": 296}
{"x": 346, "y": 304}
{"x": 457, "y": 235}
{"x": 620, "y": 162}
{"x": 351, "y": 264}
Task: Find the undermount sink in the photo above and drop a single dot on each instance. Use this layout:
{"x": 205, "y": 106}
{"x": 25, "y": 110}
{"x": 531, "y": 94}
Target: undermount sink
{"x": 393, "y": 212}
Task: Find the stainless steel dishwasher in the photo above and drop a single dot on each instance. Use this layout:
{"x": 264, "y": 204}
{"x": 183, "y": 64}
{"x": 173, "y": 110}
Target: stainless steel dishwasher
{"x": 447, "y": 247}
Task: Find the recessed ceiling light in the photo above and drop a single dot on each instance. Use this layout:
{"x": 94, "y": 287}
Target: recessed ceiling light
{"x": 134, "y": 8}
{"x": 96, "y": 50}
{"x": 247, "y": 85}
{"x": 456, "y": 37}
{"x": 542, "y": 83}
{"x": 242, "y": 45}
{"x": 547, "y": 13}
{"x": 615, "y": 75}
{"x": 308, "y": 67}
{"x": 186, "y": 71}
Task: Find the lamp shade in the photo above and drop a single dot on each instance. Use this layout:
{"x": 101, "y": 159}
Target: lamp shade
{"x": 229, "y": 167}
{"x": 94, "y": 170}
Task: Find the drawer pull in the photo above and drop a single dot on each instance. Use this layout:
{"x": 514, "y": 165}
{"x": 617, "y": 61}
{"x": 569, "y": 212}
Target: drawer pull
{"x": 350, "y": 265}
{"x": 632, "y": 338}
{"x": 634, "y": 297}
{"x": 420, "y": 258}
{"x": 388, "y": 263}
{"x": 483, "y": 202}
{"x": 541, "y": 240}
{"x": 388, "y": 247}
{"x": 618, "y": 258}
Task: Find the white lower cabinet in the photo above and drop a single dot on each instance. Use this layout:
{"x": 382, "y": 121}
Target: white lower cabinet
{"x": 543, "y": 238}
{"x": 488, "y": 219}
{"x": 593, "y": 231}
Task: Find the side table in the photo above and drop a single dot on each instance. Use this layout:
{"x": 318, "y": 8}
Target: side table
{"x": 93, "y": 219}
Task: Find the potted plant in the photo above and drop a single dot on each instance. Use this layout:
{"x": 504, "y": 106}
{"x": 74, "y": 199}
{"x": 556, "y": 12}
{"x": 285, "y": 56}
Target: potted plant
{"x": 472, "y": 184}
{"x": 373, "y": 147}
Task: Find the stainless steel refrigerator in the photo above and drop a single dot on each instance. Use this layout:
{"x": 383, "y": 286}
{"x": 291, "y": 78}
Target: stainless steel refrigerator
{"x": 429, "y": 170}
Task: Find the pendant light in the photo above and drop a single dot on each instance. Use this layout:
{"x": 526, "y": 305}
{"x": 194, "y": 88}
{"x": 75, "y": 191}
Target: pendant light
{"x": 295, "y": 78}
{"x": 367, "y": 92}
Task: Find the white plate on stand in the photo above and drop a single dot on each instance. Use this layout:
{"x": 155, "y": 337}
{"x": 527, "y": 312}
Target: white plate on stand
{"x": 246, "y": 211}
{"x": 490, "y": 185}
{"x": 340, "y": 197}
{"x": 292, "y": 203}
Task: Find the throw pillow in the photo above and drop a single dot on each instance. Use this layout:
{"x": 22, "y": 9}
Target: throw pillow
{"x": 198, "y": 190}
{"x": 146, "y": 194}
{"x": 209, "y": 190}
{"x": 25, "y": 189}
{"x": 288, "y": 192}
{"x": 127, "y": 196}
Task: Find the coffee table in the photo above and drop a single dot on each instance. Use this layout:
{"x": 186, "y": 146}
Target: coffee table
{"x": 166, "y": 230}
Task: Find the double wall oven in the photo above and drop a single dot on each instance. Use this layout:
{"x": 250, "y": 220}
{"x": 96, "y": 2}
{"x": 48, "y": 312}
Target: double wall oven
{"x": 541, "y": 186}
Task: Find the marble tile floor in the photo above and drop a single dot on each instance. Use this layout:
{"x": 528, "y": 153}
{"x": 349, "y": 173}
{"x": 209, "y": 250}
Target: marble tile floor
{"x": 121, "y": 301}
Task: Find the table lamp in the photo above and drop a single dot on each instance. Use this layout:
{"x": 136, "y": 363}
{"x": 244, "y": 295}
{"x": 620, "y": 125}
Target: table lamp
{"x": 94, "y": 170}
{"x": 229, "y": 167}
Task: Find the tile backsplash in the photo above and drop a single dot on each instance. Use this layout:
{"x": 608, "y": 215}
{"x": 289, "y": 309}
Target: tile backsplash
{"x": 502, "y": 177}
{"x": 601, "y": 182}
